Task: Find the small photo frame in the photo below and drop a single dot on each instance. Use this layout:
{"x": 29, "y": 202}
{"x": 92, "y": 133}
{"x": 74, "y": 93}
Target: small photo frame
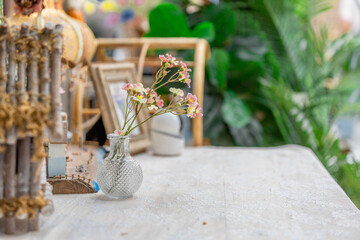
{"x": 108, "y": 79}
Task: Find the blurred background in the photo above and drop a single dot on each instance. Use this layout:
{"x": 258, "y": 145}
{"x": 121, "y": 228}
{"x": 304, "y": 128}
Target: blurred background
{"x": 280, "y": 72}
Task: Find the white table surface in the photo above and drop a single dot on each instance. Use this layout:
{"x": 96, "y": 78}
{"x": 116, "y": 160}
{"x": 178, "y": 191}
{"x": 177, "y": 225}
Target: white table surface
{"x": 214, "y": 193}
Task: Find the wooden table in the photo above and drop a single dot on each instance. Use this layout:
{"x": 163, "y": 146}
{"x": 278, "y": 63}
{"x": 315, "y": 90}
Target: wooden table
{"x": 215, "y": 193}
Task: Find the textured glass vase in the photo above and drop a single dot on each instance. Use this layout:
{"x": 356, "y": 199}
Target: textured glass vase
{"x": 119, "y": 176}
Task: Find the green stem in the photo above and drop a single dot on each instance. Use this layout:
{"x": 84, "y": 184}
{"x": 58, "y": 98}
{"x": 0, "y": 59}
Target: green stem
{"x": 137, "y": 111}
{"x": 169, "y": 81}
{"x": 130, "y": 111}
{"x": 126, "y": 111}
{"x": 155, "y": 114}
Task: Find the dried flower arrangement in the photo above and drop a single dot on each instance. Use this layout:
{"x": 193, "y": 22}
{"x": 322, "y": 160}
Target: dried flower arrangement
{"x": 139, "y": 98}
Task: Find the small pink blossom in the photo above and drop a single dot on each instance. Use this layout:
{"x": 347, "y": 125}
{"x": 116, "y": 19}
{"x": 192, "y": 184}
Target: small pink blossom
{"x": 191, "y": 99}
{"x": 168, "y": 60}
{"x": 140, "y": 98}
{"x": 134, "y": 88}
{"x": 150, "y": 101}
{"x": 159, "y": 102}
{"x": 153, "y": 94}
{"x": 177, "y": 91}
{"x": 163, "y": 58}
{"x": 184, "y": 75}
{"x": 120, "y": 132}
{"x": 194, "y": 110}
{"x": 126, "y": 86}
{"x": 153, "y": 107}
{"x": 188, "y": 81}
{"x": 184, "y": 67}
{"x": 138, "y": 87}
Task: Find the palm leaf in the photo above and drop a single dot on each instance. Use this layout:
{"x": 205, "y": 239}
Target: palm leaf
{"x": 287, "y": 25}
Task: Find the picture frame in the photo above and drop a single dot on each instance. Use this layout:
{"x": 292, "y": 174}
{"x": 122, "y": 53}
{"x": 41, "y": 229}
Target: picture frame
{"x": 108, "y": 79}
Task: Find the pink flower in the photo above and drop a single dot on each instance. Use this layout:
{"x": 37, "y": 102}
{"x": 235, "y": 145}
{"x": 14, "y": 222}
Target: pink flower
{"x": 151, "y": 98}
{"x": 120, "y": 132}
{"x": 153, "y": 94}
{"x": 177, "y": 92}
{"x": 126, "y": 86}
{"x": 150, "y": 101}
{"x": 140, "y": 98}
{"x": 153, "y": 107}
{"x": 159, "y": 102}
{"x": 134, "y": 88}
{"x": 168, "y": 60}
{"x": 138, "y": 87}
{"x": 184, "y": 75}
{"x": 162, "y": 58}
{"x": 194, "y": 110}
{"x": 188, "y": 81}
{"x": 184, "y": 67}
{"x": 191, "y": 99}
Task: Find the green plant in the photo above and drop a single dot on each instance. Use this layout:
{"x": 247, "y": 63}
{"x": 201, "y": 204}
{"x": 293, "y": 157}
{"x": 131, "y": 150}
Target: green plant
{"x": 218, "y": 27}
{"x": 312, "y": 67}
{"x": 278, "y": 75}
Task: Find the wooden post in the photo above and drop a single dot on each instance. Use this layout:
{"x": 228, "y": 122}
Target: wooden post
{"x": 44, "y": 62}
{"x": 11, "y": 136}
{"x": 45, "y": 39}
{"x": 24, "y": 153}
{"x": 8, "y": 7}
{"x": 3, "y": 81}
{"x": 9, "y": 165}
{"x": 199, "y": 76}
{"x": 23, "y": 144}
{"x": 23, "y": 178}
{"x": 10, "y": 154}
{"x": 55, "y": 81}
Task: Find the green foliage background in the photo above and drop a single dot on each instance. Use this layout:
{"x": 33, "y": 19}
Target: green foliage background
{"x": 271, "y": 76}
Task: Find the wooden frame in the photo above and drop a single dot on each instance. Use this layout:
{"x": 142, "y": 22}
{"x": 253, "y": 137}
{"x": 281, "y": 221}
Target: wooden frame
{"x": 202, "y": 54}
{"x": 103, "y": 76}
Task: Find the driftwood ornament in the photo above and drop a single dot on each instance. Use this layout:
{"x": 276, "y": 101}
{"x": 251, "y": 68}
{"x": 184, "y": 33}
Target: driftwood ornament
{"x": 29, "y": 103}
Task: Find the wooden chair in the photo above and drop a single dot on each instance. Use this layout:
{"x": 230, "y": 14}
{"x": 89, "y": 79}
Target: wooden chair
{"x": 84, "y": 117}
{"x": 201, "y": 55}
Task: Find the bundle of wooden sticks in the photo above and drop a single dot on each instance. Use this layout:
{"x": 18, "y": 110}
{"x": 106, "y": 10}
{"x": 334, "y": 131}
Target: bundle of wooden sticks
{"x": 30, "y": 105}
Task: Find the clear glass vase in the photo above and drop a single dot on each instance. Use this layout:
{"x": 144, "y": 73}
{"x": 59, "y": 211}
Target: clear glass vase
{"x": 119, "y": 176}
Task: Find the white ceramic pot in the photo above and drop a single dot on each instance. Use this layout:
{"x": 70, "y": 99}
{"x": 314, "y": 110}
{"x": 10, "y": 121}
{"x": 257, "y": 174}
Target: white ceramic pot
{"x": 166, "y": 136}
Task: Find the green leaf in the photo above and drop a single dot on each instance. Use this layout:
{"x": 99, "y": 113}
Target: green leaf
{"x": 218, "y": 67}
{"x": 223, "y": 18}
{"x": 215, "y": 128}
{"x": 247, "y": 63}
{"x": 204, "y": 30}
{"x": 167, "y": 20}
{"x": 250, "y": 135}
{"x": 286, "y": 36}
{"x": 235, "y": 111}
